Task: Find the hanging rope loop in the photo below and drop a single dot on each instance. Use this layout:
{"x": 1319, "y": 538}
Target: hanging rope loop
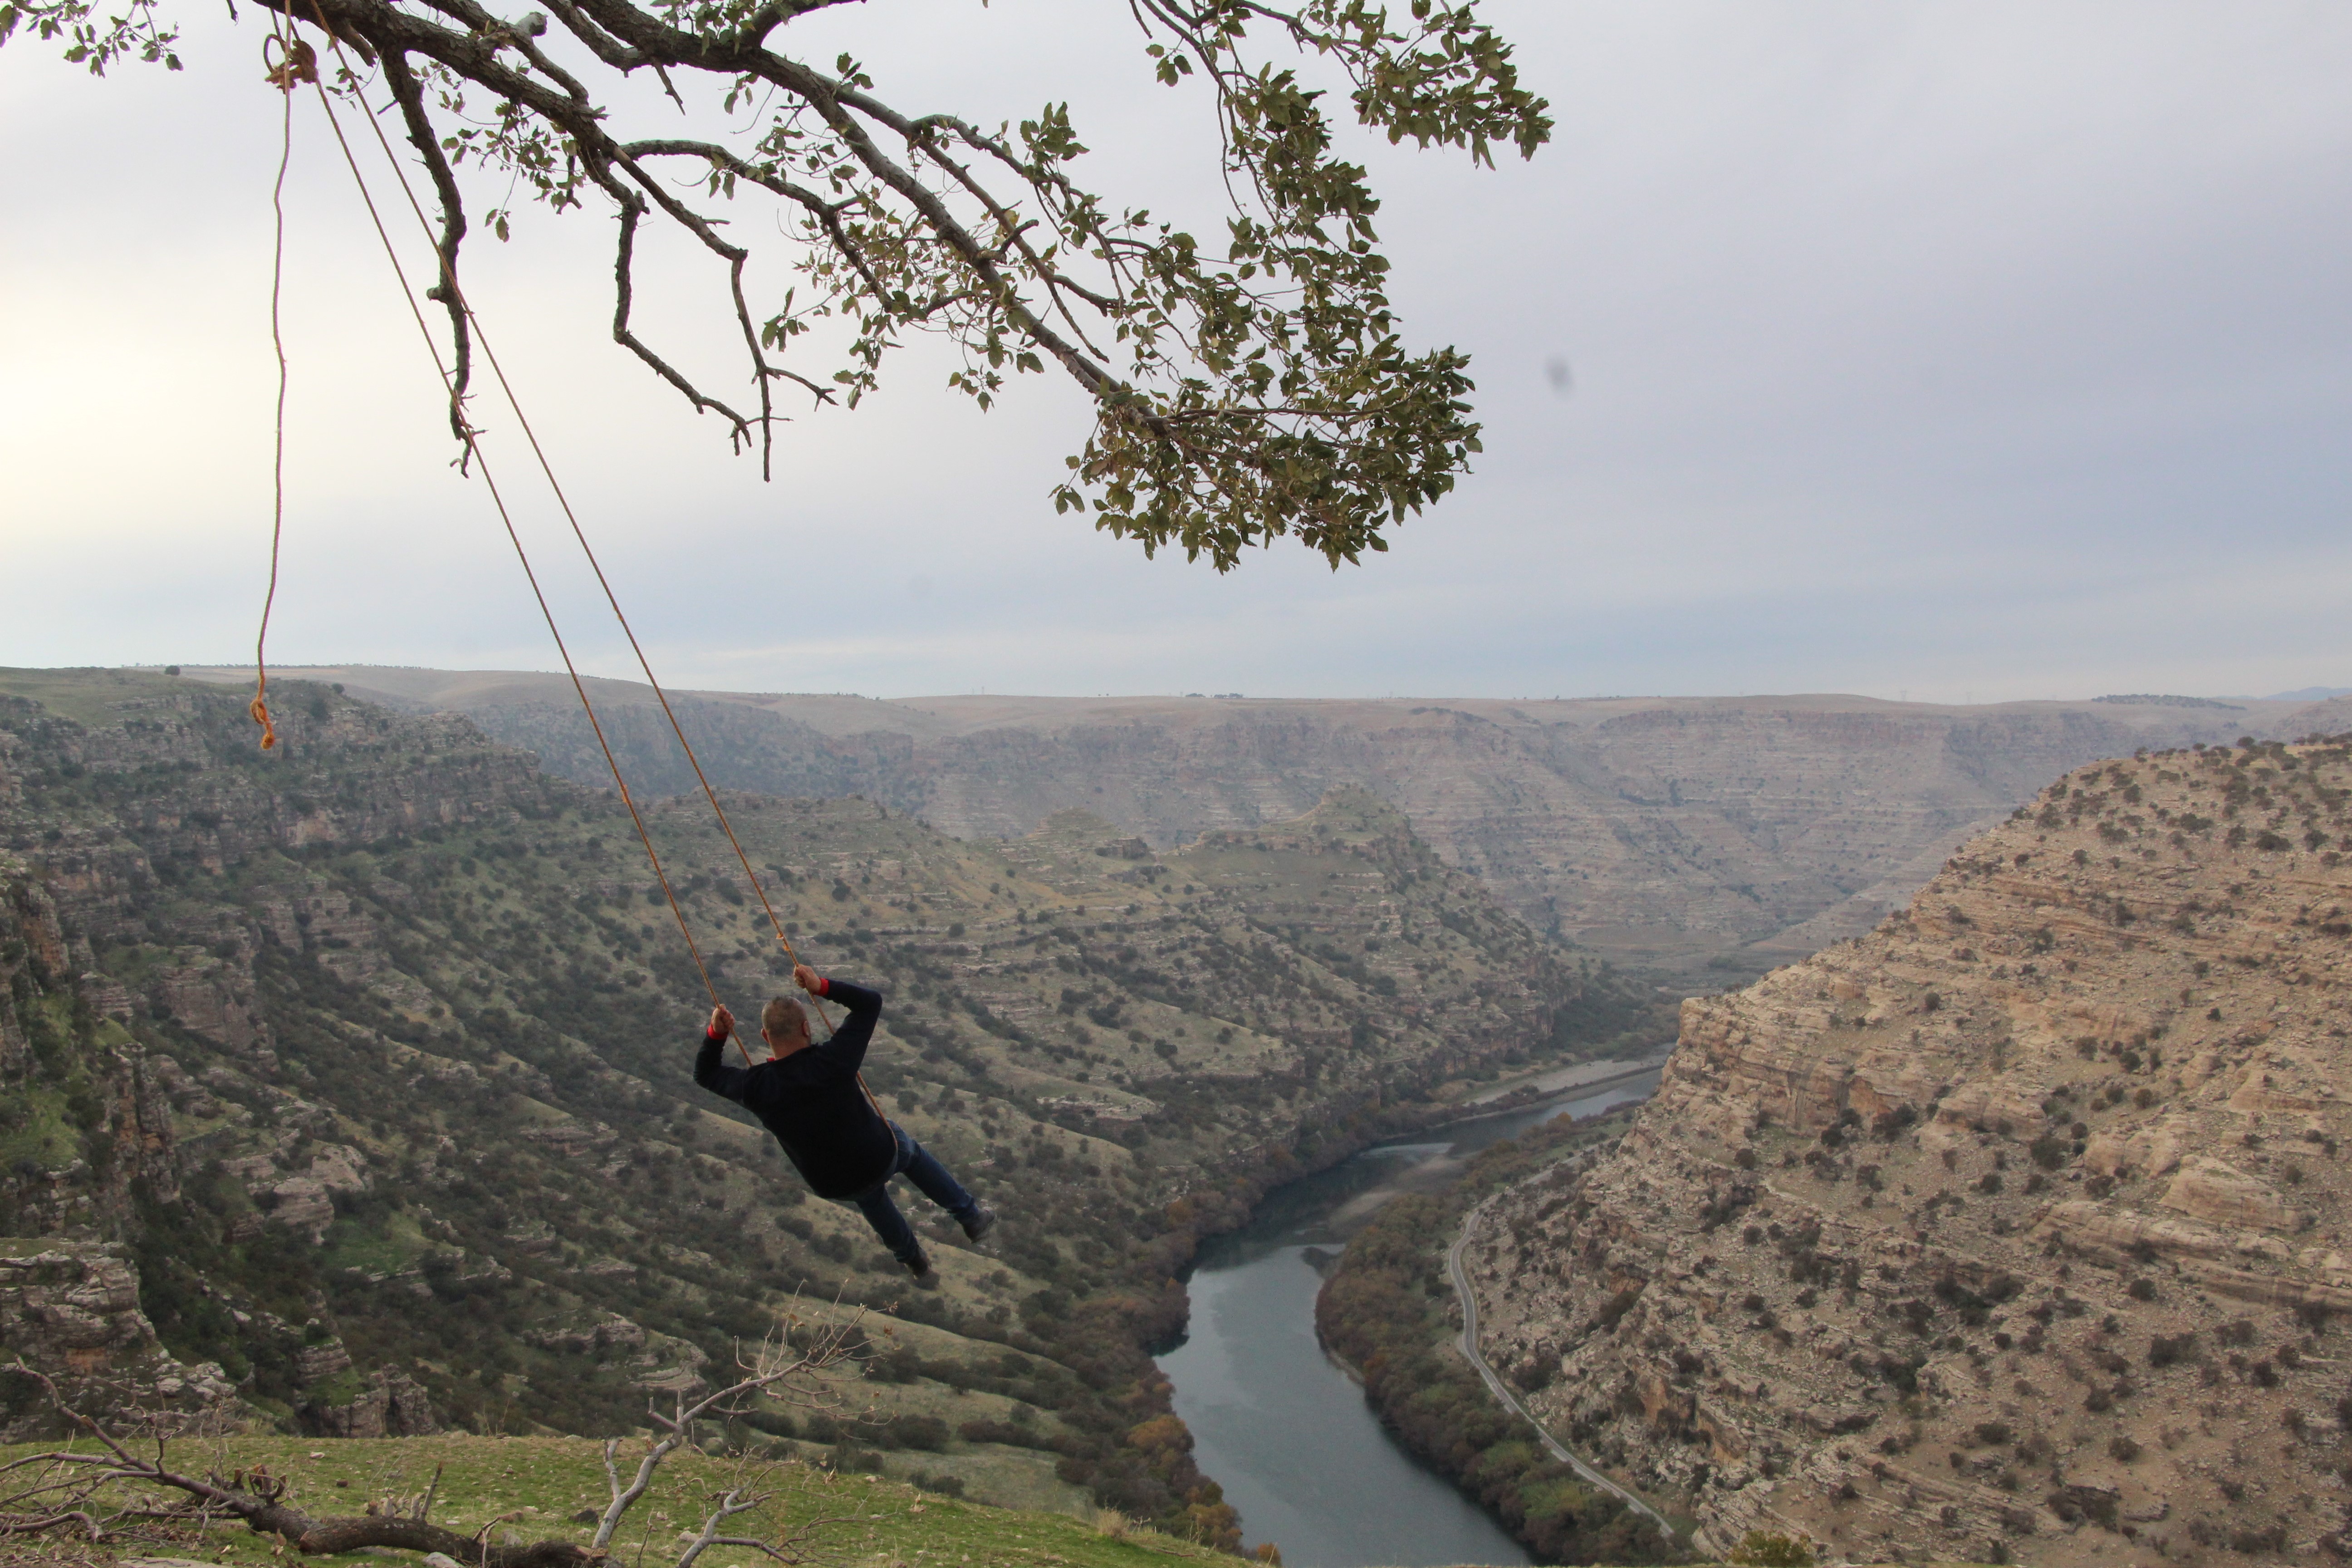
{"x": 294, "y": 62}
{"x": 297, "y": 62}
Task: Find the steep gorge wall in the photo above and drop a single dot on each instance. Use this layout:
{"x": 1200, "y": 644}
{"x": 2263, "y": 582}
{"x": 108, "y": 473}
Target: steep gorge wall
{"x": 69, "y": 1301}
{"x": 2015, "y": 1228}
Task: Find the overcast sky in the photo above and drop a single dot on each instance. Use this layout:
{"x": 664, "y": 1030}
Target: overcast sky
{"x": 1962, "y": 350}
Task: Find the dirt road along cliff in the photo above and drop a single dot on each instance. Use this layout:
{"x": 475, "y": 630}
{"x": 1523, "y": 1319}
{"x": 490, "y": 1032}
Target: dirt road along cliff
{"x": 1502, "y": 1391}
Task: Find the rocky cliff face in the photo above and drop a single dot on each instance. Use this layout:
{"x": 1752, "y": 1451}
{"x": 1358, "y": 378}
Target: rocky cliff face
{"x": 84, "y": 1112}
{"x": 390, "y": 1404}
{"x": 85, "y": 1122}
{"x": 1653, "y": 829}
{"x": 171, "y": 787}
{"x": 70, "y": 1310}
{"x": 2016, "y": 1228}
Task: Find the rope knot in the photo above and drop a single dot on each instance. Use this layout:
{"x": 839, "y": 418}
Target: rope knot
{"x": 260, "y": 711}
{"x": 300, "y": 63}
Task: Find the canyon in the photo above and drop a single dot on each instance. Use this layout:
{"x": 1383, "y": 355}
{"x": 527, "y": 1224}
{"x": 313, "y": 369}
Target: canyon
{"x": 2008, "y": 1228}
{"x": 346, "y": 1085}
{"x": 2015, "y": 1228}
{"x": 1669, "y": 833}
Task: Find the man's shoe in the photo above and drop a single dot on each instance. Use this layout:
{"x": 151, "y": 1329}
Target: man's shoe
{"x": 980, "y": 1222}
{"x": 925, "y": 1276}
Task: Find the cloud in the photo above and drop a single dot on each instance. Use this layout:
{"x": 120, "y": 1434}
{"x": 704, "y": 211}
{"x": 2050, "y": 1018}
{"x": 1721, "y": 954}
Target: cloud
{"x": 1990, "y": 351}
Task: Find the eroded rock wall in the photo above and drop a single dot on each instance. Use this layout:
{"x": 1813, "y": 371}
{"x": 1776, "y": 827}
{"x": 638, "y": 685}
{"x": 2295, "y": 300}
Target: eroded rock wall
{"x": 70, "y": 1310}
{"x": 2017, "y": 1229}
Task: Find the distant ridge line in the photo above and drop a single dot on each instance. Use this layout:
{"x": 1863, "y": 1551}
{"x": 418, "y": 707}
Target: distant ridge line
{"x": 2155, "y": 699}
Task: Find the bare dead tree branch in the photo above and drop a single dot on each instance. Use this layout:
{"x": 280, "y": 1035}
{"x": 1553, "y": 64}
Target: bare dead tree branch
{"x": 773, "y": 1366}
{"x": 633, "y": 212}
{"x": 67, "y": 1483}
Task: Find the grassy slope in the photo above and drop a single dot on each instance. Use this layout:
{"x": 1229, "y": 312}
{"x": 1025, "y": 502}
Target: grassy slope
{"x": 483, "y": 1478}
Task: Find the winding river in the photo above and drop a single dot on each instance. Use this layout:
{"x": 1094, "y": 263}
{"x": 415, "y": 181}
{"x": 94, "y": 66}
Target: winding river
{"x": 1285, "y": 1432}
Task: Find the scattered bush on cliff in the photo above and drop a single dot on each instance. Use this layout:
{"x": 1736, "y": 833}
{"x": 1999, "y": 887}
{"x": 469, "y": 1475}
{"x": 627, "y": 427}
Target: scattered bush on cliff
{"x": 1761, "y": 1549}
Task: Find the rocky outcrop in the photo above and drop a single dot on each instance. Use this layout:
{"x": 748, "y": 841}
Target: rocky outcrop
{"x": 2017, "y": 1229}
{"x": 212, "y": 998}
{"x": 70, "y": 1310}
{"x": 302, "y": 1201}
{"x": 393, "y": 1404}
{"x": 613, "y": 1331}
{"x": 33, "y": 957}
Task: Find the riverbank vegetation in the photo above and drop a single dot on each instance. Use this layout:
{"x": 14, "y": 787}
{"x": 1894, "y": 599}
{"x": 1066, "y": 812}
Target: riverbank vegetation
{"x": 1385, "y": 1310}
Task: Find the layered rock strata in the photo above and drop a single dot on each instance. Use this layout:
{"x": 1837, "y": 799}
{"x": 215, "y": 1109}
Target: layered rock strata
{"x": 391, "y": 1405}
{"x": 2014, "y": 1230}
{"x": 70, "y": 1310}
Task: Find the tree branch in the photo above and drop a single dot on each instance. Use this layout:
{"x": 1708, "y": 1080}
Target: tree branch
{"x": 258, "y": 1499}
{"x": 1256, "y": 388}
{"x": 632, "y": 210}
{"x": 409, "y": 93}
{"x": 771, "y": 1366}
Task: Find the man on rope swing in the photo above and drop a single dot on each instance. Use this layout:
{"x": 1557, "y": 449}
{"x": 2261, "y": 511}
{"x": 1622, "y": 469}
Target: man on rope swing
{"x": 811, "y": 1097}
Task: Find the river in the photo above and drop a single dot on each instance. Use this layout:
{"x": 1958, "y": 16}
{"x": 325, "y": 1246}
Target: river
{"x": 1283, "y": 1429}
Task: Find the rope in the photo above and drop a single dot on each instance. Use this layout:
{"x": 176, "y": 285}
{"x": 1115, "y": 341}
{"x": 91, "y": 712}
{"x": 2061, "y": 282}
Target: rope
{"x": 295, "y": 63}
{"x": 489, "y": 352}
{"x": 475, "y": 452}
{"x": 449, "y": 279}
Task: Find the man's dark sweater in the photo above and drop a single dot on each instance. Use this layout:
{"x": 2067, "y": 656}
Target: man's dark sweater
{"x": 812, "y": 1099}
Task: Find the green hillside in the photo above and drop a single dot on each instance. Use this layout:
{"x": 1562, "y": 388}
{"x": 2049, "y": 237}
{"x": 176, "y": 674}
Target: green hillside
{"x": 376, "y": 1050}
{"x": 531, "y": 1489}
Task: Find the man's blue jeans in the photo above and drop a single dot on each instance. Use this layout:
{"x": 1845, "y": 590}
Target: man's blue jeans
{"x": 931, "y": 1178}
